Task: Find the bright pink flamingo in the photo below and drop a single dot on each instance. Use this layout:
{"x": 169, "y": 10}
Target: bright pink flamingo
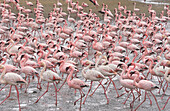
{"x": 76, "y": 84}
{"x": 13, "y": 79}
{"x": 147, "y": 86}
{"x": 28, "y": 70}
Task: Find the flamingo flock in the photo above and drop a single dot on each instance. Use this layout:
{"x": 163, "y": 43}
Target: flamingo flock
{"x": 60, "y": 49}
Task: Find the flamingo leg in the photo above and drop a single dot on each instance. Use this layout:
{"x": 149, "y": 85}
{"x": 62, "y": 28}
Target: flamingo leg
{"x": 63, "y": 83}
{"x": 55, "y": 92}
{"x": 28, "y": 84}
{"x": 165, "y": 90}
{"x": 39, "y": 87}
{"x": 3, "y": 87}
{"x": 8, "y": 95}
{"x": 155, "y": 100}
{"x": 107, "y": 85}
{"x": 149, "y": 99}
{"x": 141, "y": 102}
{"x": 44, "y": 93}
{"x": 95, "y": 90}
{"x": 82, "y": 95}
{"x": 18, "y": 97}
{"x": 166, "y": 103}
{"x": 88, "y": 92}
{"x": 127, "y": 98}
{"x": 22, "y": 84}
{"x": 131, "y": 104}
{"x": 104, "y": 92}
{"x": 114, "y": 86}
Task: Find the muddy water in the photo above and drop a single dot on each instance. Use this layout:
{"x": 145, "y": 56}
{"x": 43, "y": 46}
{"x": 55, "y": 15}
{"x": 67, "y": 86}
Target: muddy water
{"x": 66, "y": 96}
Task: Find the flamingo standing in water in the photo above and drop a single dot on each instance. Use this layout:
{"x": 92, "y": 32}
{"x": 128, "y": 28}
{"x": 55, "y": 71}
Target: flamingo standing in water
{"x": 93, "y": 75}
{"x": 147, "y": 86}
{"x": 13, "y": 79}
{"x": 76, "y": 84}
{"x": 50, "y": 77}
{"x": 167, "y": 78}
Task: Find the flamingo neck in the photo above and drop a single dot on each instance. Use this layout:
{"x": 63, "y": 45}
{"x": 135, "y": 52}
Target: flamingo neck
{"x": 83, "y": 71}
{"x": 42, "y": 71}
{"x": 10, "y": 46}
{"x": 136, "y": 54}
{"x": 2, "y": 81}
{"x": 134, "y": 81}
{"x": 69, "y": 76}
{"x": 4, "y": 59}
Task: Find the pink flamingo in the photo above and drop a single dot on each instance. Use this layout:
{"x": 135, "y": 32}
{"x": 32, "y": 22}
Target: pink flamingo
{"x": 167, "y": 78}
{"x": 13, "y": 79}
{"x": 50, "y": 77}
{"x": 147, "y": 86}
{"x": 76, "y": 84}
{"x": 93, "y": 75}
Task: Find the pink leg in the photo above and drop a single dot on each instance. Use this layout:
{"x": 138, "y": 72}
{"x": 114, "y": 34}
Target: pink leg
{"x": 8, "y": 95}
{"x": 155, "y": 100}
{"x": 149, "y": 99}
{"x": 82, "y": 95}
{"x": 161, "y": 81}
{"x": 25, "y": 80}
{"x": 63, "y": 83}
{"x": 39, "y": 84}
{"x": 131, "y": 104}
{"x": 18, "y": 97}
{"x": 104, "y": 92}
{"x": 55, "y": 92}
{"x": 44, "y": 93}
{"x": 27, "y": 84}
{"x": 95, "y": 89}
{"x": 166, "y": 103}
{"x": 165, "y": 90}
{"x": 88, "y": 92}
{"x": 120, "y": 88}
{"x": 107, "y": 85}
{"x": 141, "y": 102}
{"x": 114, "y": 86}
{"x": 3, "y": 87}
{"x": 127, "y": 98}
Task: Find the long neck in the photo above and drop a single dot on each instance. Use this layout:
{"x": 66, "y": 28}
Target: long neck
{"x": 150, "y": 67}
{"x": 83, "y": 71}
{"x": 154, "y": 68}
{"x": 69, "y": 76}
{"x": 4, "y": 59}
{"x": 41, "y": 54}
{"x": 96, "y": 65}
{"x": 25, "y": 42}
{"x": 22, "y": 62}
{"x": 135, "y": 57}
{"x": 134, "y": 82}
{"x": 10, "y": 46}
{"x": 2, "y": 75}
{"x": 84, "y": 58}
{"x": 42, "y": 71}
{"x": 121, "y": 75}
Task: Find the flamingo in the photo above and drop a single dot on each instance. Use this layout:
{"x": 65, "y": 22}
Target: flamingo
{"x": 13, "y": 79}
{"x": 93, "y": 75}
{"x": 167, "y": 78}
{"x": 50, "y": 77}
{"x": 76, "y": 84}
{"x": 147, "y": 86}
